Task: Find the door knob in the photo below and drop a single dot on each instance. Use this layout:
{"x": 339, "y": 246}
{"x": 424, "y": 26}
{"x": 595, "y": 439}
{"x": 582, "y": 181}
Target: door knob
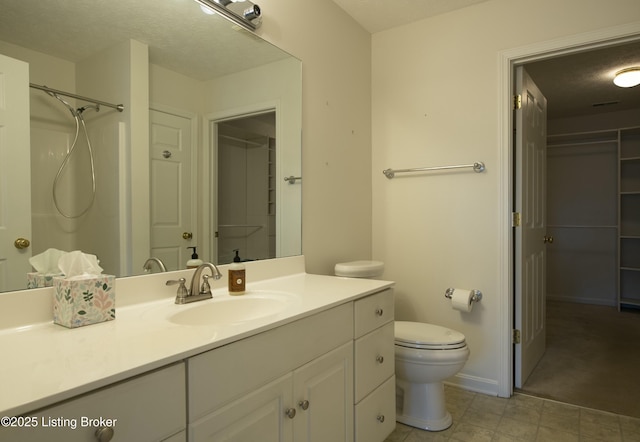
{"x": 187, "y": 235}
{"x": 21, "y": 243}
{"x": 548, "y": 239}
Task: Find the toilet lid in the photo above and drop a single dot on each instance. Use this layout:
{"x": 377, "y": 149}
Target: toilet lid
{"x": 359, "y": 269}
{"x": 427, "y": 336}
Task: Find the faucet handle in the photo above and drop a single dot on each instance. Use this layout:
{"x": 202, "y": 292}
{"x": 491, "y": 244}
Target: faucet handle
{"x": 182, "y": 291}
{"x": 206, "y": 288}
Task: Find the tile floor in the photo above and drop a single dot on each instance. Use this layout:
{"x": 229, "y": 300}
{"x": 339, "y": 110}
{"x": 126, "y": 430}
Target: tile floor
{"x": 478, "y": 417}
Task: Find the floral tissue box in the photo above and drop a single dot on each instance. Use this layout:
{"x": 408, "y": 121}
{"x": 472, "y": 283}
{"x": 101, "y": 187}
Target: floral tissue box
{"x": 37, "y": 279}
{"x": 79, "y": 302}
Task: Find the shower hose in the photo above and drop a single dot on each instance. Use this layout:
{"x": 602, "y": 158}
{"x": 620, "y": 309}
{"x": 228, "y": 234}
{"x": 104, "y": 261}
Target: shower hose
{"x": 77, "y": 116}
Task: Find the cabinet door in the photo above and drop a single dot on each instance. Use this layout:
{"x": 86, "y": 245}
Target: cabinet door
{"x": 323, "y": 394}
{"x": 145, "y": 408}
{"x": 259, "y": 416}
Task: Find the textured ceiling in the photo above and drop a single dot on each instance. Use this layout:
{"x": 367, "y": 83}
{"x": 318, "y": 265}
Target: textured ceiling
{"x": 183, "y": 39}
{"x": 180, "y": 36}
{"x": 582, "y": 84}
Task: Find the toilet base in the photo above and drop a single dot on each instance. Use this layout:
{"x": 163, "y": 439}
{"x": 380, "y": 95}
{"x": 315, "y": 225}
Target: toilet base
{"x": 429, "y": 425}
{"x": 422, "y": 405}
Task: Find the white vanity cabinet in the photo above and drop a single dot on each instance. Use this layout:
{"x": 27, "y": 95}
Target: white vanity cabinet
{"x": 150, "y": 407}
{"x": 375, "y": 412}
{"x": 291, "y": 383}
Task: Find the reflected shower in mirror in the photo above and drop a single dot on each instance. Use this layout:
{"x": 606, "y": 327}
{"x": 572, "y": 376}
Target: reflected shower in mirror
{"x": 179, "y": 73}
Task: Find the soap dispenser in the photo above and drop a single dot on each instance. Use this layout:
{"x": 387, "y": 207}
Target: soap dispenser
{"x": 194, "y": 262}
{"x": 236, "y": 276}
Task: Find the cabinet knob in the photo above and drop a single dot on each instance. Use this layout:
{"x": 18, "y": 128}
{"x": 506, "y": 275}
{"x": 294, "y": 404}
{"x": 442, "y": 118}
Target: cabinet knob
{"x": 380, "y": 359}
{"x": 303, "y": 404}
{"x": 380, "y": 418}
{"x": 290, "y": 412}
{"x": 104, "y": 434}
{"x": 379, "y": 312}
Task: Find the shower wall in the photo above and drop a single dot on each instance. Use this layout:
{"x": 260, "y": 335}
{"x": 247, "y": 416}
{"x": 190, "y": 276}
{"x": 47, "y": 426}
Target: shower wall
{"x": 52, "y": 133}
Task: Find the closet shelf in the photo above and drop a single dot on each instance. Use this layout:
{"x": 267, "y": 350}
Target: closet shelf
{"x": 579, "y": 226}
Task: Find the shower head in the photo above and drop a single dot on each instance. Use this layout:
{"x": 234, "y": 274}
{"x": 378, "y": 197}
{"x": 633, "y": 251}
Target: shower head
{"x": 80, "y": 110}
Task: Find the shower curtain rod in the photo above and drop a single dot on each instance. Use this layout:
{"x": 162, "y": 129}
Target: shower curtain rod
{"x": 118, "y": 107}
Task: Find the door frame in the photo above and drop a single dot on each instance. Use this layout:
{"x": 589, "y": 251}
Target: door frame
{"x": 209, "y": 201}
{"x": 508, "y": 61}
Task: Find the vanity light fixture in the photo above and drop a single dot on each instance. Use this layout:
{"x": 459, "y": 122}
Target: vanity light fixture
{"x": 243, "y": 13}
{"x": 628, "y": 77}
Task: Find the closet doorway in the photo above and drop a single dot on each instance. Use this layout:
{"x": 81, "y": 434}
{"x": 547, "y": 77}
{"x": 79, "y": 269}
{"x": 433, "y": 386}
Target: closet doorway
{"x": 587, "y": 128}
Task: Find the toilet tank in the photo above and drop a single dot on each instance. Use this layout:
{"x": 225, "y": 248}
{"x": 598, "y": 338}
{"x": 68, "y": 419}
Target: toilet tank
{"x": 359, "y": 269}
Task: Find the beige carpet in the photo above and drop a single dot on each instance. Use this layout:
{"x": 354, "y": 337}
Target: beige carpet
{"x": 592, "y": 358}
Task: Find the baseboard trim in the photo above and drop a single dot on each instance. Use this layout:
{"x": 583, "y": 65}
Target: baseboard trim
{"x": 581, "y": 300}
{"x": 474, "y": 383}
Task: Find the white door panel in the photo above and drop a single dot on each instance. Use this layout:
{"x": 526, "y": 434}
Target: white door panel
{"x": 172, "y": 187}
{"x": 15, "y": 177}
{"x": 530, "y": 252}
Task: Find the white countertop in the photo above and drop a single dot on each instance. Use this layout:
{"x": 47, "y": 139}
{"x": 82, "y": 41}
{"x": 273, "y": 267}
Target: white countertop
{"x": 43, "y": 363}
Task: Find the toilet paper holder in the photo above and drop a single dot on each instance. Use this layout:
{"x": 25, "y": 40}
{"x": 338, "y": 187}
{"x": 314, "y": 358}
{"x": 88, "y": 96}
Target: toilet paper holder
{"x": 476, "y": 294}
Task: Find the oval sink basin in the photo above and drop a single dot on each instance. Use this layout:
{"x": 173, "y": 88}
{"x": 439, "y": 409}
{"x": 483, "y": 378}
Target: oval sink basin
{"x": 230, "y": 310}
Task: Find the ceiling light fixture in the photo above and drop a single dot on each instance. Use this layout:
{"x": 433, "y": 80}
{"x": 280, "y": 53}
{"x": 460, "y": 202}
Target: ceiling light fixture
{"x": 243, "y": 13}
{"x": 628, "y": 77}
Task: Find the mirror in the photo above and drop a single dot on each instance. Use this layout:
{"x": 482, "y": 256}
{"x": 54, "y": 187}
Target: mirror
{"x": 186, "y": 80}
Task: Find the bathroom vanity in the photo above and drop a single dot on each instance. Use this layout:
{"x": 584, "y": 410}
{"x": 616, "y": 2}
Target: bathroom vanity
{"x": 312, "y": 359}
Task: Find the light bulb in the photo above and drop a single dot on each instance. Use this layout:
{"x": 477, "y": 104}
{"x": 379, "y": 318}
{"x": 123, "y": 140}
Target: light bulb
{"x": 628, "y": 77}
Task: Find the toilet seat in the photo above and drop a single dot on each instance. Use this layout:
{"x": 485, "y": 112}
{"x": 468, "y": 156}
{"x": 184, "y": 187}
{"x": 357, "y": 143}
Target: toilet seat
{"x": 419, "y": 335}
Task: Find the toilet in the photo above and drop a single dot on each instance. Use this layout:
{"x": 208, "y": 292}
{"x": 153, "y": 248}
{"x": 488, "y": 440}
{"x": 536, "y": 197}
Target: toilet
{"x": 425, "y": 355}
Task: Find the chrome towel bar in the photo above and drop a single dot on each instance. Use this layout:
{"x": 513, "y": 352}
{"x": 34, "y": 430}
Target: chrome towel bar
{"x": 477, "y": 167}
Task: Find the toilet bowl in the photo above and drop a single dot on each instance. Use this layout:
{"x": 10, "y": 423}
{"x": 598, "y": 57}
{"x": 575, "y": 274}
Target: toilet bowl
{"x": 425, "y": 355}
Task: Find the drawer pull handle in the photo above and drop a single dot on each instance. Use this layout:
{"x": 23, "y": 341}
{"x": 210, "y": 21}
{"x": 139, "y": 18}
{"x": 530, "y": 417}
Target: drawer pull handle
{"x": 290, "y": 412}
{"x": 380, "y": 359}
{"x": 380, "y": 418}
{"x": 304, "y": 404}
{"x": 379, "y": 312}
{"x": 104, "y": 434}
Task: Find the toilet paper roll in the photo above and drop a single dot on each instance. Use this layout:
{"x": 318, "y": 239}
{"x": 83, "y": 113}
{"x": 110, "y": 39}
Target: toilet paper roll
{"x": 462, "y": 300}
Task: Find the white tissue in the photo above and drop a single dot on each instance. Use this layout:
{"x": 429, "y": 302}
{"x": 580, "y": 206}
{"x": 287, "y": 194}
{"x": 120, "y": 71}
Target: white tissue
{"x": 78, "y": 265}
{"x": 462, "y": 300}
{"x": 47, "y": 261}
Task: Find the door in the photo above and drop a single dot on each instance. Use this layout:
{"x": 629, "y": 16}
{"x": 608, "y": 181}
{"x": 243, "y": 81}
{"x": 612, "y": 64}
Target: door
{"x": 172, "y": 191}
{"x": 15, "y": 176}
{"x": 530, "y": 235}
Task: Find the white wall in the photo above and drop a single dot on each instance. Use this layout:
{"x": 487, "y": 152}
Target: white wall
{"x": 336, "y": 125}
{"x": 436, "y": 100}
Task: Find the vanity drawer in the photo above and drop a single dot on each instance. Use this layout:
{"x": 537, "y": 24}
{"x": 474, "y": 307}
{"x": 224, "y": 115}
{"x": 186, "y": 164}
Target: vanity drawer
{"x": 221, "y": 375}
{"x": 375, "y": 416}
{"x": 374, "y": 360}
{"x": 372, "y": 312}
{"x": 148, "y": 407}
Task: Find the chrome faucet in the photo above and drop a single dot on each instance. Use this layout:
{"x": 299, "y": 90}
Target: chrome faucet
{"x": 147, "y": 265}
{"x": 197, "y": 292}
